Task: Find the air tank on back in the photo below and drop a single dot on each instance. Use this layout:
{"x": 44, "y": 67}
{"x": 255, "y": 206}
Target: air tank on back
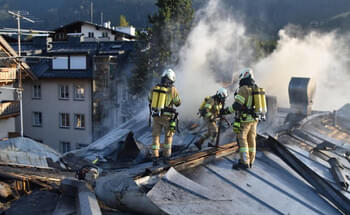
{"x": 301, "y": 95}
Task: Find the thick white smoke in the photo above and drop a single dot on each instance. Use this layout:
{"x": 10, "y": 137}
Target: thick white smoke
{"x": 321, "y": 56}
{"x": 214, "y": 49}
{"x": 218, "y": 47}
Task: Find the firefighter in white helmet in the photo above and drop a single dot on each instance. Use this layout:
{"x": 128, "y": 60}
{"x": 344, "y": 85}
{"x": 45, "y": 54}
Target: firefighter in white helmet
{"x": 210, "y": 111}
{"x": 248, "y": 109}
{"x": 162, "y": 99}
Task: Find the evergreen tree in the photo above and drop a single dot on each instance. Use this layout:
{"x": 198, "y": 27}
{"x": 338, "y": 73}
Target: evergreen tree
{"x": 170, "y": 27}
{"x": 123, "y": 22}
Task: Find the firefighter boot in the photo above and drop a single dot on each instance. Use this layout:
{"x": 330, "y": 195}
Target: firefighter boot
{"x": 166, "y": 160}
{"x": 211, "y": 144}
{"x": 240, "y": 165}
{"x": 155, "y": 161}
{"x": 199, "y": 143}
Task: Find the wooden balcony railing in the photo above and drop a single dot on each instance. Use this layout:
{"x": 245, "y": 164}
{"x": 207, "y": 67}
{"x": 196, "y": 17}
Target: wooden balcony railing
{"x": 9, "y": 109}
{"x": 7, "y": 75}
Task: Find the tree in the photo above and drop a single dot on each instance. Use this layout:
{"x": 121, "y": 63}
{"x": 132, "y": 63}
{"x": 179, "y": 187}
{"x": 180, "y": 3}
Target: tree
{"x": 123, "y": 22}
{"x": 171, "y": 25}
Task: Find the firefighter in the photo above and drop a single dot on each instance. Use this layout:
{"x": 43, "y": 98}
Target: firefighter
{"x": 210, "y": 111}
{"x": 163, "y": 97}
{"x": 249, "y": 106}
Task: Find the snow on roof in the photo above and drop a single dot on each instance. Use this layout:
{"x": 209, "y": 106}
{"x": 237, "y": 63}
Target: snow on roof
{"x": 25, "y": 151}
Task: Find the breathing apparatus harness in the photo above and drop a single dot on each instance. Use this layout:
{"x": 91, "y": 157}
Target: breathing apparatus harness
{"x": 258, "y": 107}
{"x": 157, "y": 106}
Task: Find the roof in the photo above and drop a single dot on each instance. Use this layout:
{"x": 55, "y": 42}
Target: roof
{"x": 27, "y": 152}
{"x": 42, "y": 68}
{"x": 73, "y": 47}
{"x": 272, "y": 186}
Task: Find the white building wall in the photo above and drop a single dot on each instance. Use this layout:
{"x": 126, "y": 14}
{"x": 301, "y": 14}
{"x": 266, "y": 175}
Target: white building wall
{"x": 50, "y": 133}
{"x": 131, "y": 30}
{"x": 7, "y": 125}
{"x": 85, "y": 29}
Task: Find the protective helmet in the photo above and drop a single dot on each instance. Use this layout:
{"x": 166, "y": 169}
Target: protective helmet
{"x": 170, "y": 74}
{"x": 246, "y": 73}
{"x": 222, "y": 93}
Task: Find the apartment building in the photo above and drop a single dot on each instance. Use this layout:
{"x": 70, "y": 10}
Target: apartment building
{"x": 79, "y": 92}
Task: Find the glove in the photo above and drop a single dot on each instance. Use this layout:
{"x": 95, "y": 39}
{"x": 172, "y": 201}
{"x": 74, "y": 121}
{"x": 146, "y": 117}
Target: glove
{"x": 202, "y": 112}
{"x": 223, "y": 111}
{"x": 237, "y": 127}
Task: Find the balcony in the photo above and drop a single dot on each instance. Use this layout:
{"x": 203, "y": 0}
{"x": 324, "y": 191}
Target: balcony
{"x": 7, "y": 75}
{"x": 9, "y": 109}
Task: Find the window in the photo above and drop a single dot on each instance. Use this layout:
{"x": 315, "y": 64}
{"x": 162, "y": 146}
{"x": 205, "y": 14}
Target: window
{"x": 60, "y": 62}
{"x": 79, "y": 120}
{"x": 77, "y": 62}
{"x": 63, "y": 92}
{"x": 36, "y": 91}
{"x": 79, "y": 92}
{"x": 64, "y": 120}
{"x": 104, "y": 34}
{"x": 64, "y": 146}
{"x": 37, "y": 119}
{"x": 91, "y": 34}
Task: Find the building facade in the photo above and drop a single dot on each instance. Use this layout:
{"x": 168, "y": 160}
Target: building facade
{"x": 58, "y": 112}
{"x": 77, "y": 97}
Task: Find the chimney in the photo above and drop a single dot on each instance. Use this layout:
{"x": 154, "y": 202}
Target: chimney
{"x": 301, "y": 95}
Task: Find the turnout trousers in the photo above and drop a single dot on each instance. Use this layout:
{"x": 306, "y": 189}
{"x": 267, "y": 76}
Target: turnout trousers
{"x": 247, "y": 142}
{"x": 160, "y": 123}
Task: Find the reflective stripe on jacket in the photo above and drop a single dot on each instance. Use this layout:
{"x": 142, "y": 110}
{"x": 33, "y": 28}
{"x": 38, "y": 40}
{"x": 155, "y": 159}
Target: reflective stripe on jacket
{"x": 243, "y": 99}
{"x": 211, "y": 108}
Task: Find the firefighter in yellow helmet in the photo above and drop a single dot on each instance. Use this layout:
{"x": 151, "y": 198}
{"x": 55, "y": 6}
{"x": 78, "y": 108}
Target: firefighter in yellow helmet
{"x": 210, "y": 111}
{"x": 162, "y": 98}
{"x": 247, "y": 108}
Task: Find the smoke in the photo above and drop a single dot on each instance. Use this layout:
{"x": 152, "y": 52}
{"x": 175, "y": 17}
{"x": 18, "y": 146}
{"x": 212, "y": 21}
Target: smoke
{"x": 321, "y": 56}
{"x": 218, "y": 47}
{"x": 215, "y": 47}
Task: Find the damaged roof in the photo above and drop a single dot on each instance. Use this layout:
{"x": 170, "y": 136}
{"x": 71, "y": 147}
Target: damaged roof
{"x": 272, "y": 186}
{"x": 294, "y": 174}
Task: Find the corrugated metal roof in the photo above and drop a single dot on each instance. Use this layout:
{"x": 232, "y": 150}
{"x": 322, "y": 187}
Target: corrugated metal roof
{"x": 270, "y": 187}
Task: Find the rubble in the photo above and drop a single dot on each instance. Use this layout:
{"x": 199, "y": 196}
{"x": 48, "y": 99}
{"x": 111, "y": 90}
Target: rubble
{"x": 38, "y": 202}
{"x": 5, "y": 190}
